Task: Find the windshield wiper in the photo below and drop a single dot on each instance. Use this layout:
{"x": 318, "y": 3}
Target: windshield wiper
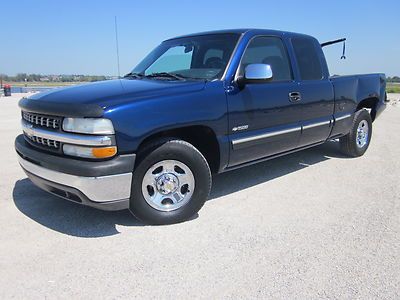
{"x": 166, "y": 75}
{"x": 134, "y": 75}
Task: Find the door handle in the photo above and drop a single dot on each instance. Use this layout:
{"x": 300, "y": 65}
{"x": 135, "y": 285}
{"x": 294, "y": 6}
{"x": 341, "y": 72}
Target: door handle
{"x": 294, "y": 96}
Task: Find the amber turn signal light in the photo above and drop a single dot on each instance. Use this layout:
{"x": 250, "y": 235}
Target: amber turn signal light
{"x": 104, "y": 152}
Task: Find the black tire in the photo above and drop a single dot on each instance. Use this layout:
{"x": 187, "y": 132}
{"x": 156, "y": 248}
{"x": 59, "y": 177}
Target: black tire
{"x": 170, "y": 149}
{"x": 348, "y": 143}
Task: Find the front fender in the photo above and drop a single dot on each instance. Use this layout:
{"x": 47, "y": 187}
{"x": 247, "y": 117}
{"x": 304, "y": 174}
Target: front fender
{"x": 137, "y": 120}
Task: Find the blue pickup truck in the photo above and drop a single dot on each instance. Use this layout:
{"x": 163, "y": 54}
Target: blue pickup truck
{"x": 196, "y": 105}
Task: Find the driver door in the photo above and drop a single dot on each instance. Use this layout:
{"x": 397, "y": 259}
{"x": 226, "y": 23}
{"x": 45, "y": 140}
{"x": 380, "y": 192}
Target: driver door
{"x": 263, "y": 120}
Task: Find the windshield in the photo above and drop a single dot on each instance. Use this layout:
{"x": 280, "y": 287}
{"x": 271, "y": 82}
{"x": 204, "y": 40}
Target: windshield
{"x": 197, "y": 57}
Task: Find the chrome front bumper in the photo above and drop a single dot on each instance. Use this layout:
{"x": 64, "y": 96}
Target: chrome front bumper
{"x": 110, "y": 192}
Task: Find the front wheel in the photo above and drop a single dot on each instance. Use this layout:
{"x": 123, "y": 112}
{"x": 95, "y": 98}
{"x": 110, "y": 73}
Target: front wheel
{"x": 170, "y": 184}
{"x": 356, "y": 142}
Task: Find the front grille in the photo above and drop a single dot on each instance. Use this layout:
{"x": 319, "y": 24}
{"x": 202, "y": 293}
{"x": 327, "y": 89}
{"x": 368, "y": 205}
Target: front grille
{"x": 44, "y": 142}
{"x": 42, "y": 120}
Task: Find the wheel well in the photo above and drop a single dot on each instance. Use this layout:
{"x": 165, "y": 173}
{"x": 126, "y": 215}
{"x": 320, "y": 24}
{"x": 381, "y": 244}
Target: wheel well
{"x": 370, "y": 104}
{"x": 201, "y": 137}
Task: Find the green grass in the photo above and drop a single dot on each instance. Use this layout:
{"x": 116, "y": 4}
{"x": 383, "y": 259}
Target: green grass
{"x": 393, "y": 88}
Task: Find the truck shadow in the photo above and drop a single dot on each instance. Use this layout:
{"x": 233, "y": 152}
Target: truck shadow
{"x": 80, "y": 221}
{"x": 239, "y": 179}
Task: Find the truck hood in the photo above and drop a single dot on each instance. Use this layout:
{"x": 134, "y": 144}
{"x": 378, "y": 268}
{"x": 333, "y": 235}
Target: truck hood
{"x": 114, "y": 92}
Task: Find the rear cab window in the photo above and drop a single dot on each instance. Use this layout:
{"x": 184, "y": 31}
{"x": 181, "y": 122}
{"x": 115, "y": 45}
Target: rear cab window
{"x": 307, "y": 58}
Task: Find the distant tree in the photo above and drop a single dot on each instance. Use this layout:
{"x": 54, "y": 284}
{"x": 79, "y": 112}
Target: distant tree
{"x": 4, "y": 77}
{"x": 34, "y": 77}
{"x": 21, "y": 77}
{"x": 393, "y": 79}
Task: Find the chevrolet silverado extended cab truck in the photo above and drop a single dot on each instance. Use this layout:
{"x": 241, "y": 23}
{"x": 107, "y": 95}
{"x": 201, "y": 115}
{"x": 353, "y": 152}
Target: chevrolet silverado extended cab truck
{"x": 196, "y": 105}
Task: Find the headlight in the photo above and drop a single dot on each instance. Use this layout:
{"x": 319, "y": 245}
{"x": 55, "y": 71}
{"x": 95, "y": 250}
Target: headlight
{"x": 88, "y": 125}
{"x": 90, "y": 152}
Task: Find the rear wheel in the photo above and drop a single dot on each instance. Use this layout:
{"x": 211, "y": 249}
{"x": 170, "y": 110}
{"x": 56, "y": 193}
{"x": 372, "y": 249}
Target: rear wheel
{"x": 171, "y": 182}
{"x": 356, "y": 142}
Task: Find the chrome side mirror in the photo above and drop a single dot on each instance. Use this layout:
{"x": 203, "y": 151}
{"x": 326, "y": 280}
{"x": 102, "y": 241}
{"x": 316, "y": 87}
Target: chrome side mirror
{"x": 258, "y": 73}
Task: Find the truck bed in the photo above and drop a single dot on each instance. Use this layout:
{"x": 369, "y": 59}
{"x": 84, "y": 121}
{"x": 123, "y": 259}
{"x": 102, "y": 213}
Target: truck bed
{"x": 351, "y": 90}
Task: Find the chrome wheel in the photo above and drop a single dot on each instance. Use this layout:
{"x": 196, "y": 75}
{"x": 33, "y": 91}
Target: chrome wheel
{"x": 362, "y": 134}
{"x": 168, "y": 185}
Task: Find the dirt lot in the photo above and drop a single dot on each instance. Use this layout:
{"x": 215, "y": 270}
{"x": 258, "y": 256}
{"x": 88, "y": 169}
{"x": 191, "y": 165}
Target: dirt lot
{"x": 314, "y": 224}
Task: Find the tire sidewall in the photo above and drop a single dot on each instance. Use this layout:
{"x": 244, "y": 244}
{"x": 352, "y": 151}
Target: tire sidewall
{"x": 171, "y": 150}
{"x": 360, "y": 116}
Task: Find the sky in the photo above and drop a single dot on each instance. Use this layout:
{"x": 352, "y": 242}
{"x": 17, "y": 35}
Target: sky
{"x": 78, "y": 37}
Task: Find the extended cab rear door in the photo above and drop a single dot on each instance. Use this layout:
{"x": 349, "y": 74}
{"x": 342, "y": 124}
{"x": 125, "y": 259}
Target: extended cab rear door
{"x": 315, "y": 91}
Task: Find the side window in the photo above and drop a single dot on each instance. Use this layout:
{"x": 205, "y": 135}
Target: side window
{"x": 307, "y": 59}
{"x": 271, "y": 51}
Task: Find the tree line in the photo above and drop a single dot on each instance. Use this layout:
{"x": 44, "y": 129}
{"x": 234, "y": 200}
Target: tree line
{"x": 23, "y": 77}
{"x": 393, "y": 79}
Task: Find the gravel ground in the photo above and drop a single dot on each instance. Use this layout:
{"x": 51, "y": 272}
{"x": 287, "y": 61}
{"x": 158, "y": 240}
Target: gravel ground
{"x": 394, "y": 99}
{"x": 313, "y": 224}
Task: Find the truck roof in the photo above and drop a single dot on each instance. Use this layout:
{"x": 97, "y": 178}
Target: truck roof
{"x": 243, "y": 31}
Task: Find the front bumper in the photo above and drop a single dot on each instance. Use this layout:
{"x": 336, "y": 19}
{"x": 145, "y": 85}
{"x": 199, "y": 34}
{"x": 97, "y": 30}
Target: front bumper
{"x": 105, "y": 185}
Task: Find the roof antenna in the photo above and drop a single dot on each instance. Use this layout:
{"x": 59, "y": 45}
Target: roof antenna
{"x": 116, "y": 42}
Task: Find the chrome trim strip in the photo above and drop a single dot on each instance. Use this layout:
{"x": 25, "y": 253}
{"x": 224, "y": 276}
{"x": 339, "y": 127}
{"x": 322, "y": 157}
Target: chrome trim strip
{"x": 343, "y": 117}
{"x": 97, "y": 189}
{"x": 313, "y": 125}
{"x": 68, "y": 138}
{"x": 264, "y": 135}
